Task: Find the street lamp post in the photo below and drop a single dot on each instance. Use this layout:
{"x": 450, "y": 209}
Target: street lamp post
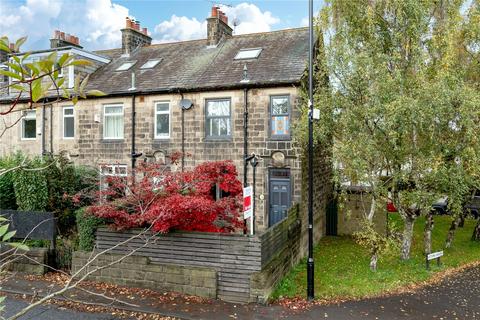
{"x": 310, "y": 264}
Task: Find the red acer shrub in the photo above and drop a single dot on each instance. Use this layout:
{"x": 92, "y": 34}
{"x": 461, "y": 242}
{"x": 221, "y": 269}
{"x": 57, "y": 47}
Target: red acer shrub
{"x": 173, "y": 200}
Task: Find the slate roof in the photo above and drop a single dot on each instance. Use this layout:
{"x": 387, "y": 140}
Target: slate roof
{"x": 192, "y": 66}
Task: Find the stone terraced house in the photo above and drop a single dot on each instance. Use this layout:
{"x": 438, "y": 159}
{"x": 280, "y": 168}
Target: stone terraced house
{"x": 240, "y": 95}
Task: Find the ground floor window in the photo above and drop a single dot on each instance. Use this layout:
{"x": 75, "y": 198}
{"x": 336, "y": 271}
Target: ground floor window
{"x": 110, "y": 172}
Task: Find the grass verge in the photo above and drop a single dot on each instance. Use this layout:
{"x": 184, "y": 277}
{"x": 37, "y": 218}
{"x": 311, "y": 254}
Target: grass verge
{"x": 342, "y": 267}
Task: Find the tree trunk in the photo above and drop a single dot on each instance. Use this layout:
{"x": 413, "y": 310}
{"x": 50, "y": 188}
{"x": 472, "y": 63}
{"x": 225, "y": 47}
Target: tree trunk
{"x": 373, "y": 261}
{"x": 476, "y": 232}
{"x": 427, "y": 237}
{"x": 461, "y": 224}
{"x": 407, "y": 237}
{"x": 451, "y": 232}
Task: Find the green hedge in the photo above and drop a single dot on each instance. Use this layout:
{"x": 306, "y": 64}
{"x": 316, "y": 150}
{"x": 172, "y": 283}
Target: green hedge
{"x": 7, "y": 192}
{"x": 31, "y": 188}
{"x": 86, "y": 227}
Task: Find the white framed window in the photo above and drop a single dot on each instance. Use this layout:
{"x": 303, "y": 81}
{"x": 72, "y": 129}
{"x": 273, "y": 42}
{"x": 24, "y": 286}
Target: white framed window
{"x": 68, "y": 122}
{"x": 150, "y": 64}
{"x": 162, "y": 120}
{"x": 56, "y": 67}
{"x": 29, "y": 125}
{"x": 248, "y": 54}
{"x": 125, "y": 66}
{"x": 280, "y": 117}
{"x": 112, "y": 170}
{"x": 113, "y": 121}
{"x": 218, "y": 118}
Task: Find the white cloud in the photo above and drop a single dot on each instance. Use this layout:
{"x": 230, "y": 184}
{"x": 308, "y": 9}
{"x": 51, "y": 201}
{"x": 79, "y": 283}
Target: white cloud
{"x": 180, "y": 28}
{"x": 96, "y": 22}
{"x": 249, "y": 19}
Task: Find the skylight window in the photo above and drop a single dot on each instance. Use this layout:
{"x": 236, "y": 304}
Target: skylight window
{"x": 150, "y": 64}
{"x": 248, "y": 54}
{"x": 126, "y": 65}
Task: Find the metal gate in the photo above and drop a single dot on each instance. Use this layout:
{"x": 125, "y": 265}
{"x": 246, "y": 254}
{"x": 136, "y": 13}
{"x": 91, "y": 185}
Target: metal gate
{"x": 332, "y": 217}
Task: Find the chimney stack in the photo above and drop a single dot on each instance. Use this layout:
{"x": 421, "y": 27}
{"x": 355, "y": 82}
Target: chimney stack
{"x": 60, "y": 39}
{"x": 133, "y": 36}
{"x": 217, "y": 27}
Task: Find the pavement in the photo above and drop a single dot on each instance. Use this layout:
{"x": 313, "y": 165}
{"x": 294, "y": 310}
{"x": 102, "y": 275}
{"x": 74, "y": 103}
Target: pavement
{"x": 50, "y": 312}
{"x": 455, "y": 297}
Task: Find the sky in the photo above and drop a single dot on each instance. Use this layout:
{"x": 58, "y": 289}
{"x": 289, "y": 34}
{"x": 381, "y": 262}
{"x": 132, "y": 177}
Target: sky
{"x": 98, "y": 22}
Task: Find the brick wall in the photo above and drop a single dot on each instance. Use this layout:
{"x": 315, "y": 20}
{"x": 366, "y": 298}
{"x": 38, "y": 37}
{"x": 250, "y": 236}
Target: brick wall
{"x": 137, "y": 271}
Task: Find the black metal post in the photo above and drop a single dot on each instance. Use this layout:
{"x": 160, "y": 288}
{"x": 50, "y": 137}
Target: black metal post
{"x": 310, "y": 263}
{"x": 254, "y": 165}
{"x": 134, "y": 152}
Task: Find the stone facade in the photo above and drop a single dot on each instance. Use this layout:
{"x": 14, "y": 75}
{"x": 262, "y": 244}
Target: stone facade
{"x": 216, "y": 30}
{"x": 90, "y": 148}
{"x": 137, "y": 271}
{"x": 132, "y": 39}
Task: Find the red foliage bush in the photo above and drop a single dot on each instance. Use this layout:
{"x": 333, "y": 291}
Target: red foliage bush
{"x": 173, "y": 201}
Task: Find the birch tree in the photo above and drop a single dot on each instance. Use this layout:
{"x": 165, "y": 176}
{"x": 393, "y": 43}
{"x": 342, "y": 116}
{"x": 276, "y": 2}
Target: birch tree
{"x": 404, "y": 103}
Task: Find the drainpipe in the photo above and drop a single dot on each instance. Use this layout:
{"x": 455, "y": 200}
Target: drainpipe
{"x": 245, "y": 135}
{"x": 134, "y": 155}
{"x": 43, "y": 129}
{"x": 51, "y": 130}
{"x": 183, "y": 136}
{"x": 134, "y": 114}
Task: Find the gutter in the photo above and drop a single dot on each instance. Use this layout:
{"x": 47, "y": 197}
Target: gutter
{"x": 122, "y": 93}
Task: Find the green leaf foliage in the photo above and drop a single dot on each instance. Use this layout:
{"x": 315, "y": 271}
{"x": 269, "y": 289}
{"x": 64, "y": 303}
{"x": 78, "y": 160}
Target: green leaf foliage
{"x": 30, "y": 184}
{"x": 86, "y": 227}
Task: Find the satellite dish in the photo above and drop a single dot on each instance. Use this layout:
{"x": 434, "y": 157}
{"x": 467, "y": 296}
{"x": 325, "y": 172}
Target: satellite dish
{"x": 186, "y": 104}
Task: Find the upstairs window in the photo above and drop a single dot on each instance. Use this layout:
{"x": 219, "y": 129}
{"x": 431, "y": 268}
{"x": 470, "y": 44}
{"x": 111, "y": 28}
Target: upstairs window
{"x": 29, "y": 125}
{"x": 218, "y": 118}
{"x": 125, "y": 66}
{"x": 162, "y": 120}
{"x": 113, "y": 122}
{"x": 150, "y": 64}
{"x": 248, "y": 54}
{"x": 280, "y": 117}
{"x": 56, "y": 67}
{"x": 68, "y": 123}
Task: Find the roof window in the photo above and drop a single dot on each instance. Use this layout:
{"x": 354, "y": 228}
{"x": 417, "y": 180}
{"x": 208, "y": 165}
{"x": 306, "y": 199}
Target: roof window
{"x": 150, "y": 64}
{"x": 125, "y": 66}
{"x": 248, "y": 54}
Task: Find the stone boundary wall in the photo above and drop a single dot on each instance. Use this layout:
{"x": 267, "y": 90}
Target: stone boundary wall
{"x": 280, "y": 251}
{"x": 231, "y": 267}
{"x": 137, "y": 271}
{"x": 33, "y": 261}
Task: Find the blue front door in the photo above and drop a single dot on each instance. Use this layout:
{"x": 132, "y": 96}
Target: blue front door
{"x": 279, "y": 198}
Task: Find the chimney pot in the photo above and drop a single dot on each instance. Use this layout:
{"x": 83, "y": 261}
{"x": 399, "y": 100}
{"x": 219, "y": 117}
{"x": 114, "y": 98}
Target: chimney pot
{"x": 145, "y": 31}
{"x": 62, "y": 35}
{"x": 137, "y": 25}
{"x": 128, "y": 22}
{"x": 214, "y": 11}
{"x": 12, "y": 46}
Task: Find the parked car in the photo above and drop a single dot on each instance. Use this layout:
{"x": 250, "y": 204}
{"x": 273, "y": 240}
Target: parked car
{"x": 472, "y": 206}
